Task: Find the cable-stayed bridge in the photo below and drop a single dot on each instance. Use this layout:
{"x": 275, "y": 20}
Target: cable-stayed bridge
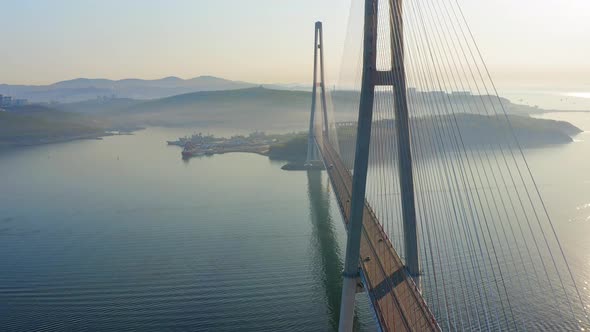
{"x": 447, "y": 230}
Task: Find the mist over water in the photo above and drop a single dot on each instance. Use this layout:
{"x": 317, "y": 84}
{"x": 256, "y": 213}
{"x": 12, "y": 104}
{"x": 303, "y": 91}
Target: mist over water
{"x": 565, "y": 184}
{"x": 562, "y": 173}
{"x": 122, "y": 234}
{"x": 566, "y": 100}
{"x": 585, "y": 95}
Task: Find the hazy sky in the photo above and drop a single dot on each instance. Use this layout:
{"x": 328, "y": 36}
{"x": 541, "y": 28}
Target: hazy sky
{"x": 267, "y": 41}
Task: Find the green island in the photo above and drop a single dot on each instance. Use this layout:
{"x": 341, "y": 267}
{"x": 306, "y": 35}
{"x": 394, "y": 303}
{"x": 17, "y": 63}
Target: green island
{"x": 29, "y": 125}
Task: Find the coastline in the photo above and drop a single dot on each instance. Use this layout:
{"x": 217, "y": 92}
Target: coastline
{"x": 290, "y": 165}
{"x": 479, "y": 132}
{"x": 49, "y": 140}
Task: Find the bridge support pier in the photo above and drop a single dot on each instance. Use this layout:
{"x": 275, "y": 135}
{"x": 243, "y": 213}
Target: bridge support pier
{"x": 370, "y": 79}
{"x": 402, "y": 122}
{"x": 313, "y": 158}
{"x": 361, "y": 165}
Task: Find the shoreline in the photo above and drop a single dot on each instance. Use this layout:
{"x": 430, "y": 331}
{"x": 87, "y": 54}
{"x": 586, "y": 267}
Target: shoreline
{"x": 288, "y": 166}
{"x": 56, "y": 140}
{"x": 263, "y": 151}
{"x": 48, "y": 141}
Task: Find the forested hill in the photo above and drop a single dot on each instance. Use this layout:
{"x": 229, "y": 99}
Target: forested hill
{"x": 251, "y": 108}
{"x": 433, "y": 134}
{"x": 36, "y": 124}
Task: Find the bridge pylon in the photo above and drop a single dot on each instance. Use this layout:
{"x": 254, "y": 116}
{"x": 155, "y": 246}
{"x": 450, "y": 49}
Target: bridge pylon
{"x": 313, "y": 157}
{"x": 371, "y": 78}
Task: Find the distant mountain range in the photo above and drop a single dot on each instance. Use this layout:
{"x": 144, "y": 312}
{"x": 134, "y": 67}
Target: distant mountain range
{"x": 250, "y": 108}
{"x": 81, "y": 89}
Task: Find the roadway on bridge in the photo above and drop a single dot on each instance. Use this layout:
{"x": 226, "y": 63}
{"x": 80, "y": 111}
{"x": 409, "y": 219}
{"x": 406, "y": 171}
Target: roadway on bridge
{"x": 398, "y": 304}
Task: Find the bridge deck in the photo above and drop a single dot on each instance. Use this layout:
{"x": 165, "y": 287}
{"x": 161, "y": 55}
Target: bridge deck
{"x": 398, "y": 304}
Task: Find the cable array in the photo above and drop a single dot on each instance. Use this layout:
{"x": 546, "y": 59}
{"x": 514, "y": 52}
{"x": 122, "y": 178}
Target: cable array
{"x": 490, "y": 256}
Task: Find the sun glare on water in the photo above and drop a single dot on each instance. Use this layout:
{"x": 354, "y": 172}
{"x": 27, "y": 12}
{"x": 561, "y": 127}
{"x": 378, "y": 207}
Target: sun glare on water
{"x": 579, "y": 94}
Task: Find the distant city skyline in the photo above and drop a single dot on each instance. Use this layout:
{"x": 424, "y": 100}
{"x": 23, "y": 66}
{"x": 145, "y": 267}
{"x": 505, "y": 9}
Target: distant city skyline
{"x": 525, "y": 43}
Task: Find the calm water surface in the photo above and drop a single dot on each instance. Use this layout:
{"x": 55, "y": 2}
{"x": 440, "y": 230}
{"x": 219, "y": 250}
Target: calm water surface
{"x": 122, "y": 234}
{"x": 563, "y": 176}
